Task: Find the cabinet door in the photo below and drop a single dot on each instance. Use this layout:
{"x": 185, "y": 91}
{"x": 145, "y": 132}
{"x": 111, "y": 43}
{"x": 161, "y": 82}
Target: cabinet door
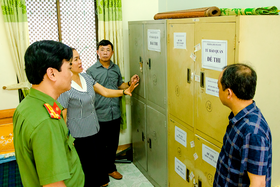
{"x": 155, "y": 62}
{"x": 205, "y": 164}
{"x": 157, "y": 145}
{"x": 180, "y": 154}
{"x": 179, "y": 72}
{"x": 211, "y": 116}
{"x": 138, "y": 121}
{"x": 136, "y": 56}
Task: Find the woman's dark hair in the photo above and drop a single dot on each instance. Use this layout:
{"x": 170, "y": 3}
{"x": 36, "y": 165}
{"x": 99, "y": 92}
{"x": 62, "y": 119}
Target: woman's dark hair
{"x": 105, "y": 43}
{"x": 41, "y": 55}
{"x": 241, "y": 79}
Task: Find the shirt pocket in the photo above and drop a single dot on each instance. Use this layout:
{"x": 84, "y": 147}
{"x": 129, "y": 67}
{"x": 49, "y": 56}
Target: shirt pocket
{"x": 72, "y": 155}
{"x": 70, "y": 142}
{"x": 113, "y": 82}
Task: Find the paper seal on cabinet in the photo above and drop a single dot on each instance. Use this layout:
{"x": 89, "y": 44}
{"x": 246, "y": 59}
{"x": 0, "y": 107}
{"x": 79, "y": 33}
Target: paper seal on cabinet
{"x": 180, "y": 40}
{"x": 154, "y": 40}
{"x": 214, "y": 54}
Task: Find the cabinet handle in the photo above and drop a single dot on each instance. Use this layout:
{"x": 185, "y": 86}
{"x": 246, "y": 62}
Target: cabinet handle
{"x": 141, "y": 64}
{"x": 188, "y": 175}
{"x": 189, "y": 75}
{"x": 202, "y": 79}
{"x": 143, "y": 137}
{"x": 199, "y": 183}
{"x": 150, "y": 63}
{"x": 150, "y": 143}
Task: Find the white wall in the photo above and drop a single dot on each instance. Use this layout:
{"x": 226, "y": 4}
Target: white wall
{"x": 133, "y": 10}
{"x": 8, "y": 98}
{"x": 172, "y": 5}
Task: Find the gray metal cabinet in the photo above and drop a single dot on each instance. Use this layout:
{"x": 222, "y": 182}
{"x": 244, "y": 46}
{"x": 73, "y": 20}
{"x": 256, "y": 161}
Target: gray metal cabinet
{"x": 147, "y": 55}
{"x": 136, "y": 54}
{"x": 157, "y": 154}
{"x": 138, "y": 112}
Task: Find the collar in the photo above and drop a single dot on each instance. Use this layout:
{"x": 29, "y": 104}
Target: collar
{"x": 244, "y": 112}
{"x": 77, "y": 87}
{"x": 98, "y": 64}
{"x": 44, "y": 97}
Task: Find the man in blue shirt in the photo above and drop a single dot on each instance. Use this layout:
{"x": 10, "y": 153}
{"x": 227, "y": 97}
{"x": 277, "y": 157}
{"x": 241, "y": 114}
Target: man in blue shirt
{"x": 246, "y": 156}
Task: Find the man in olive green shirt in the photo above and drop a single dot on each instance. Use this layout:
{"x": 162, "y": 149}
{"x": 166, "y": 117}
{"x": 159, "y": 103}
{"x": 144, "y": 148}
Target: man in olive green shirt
{"x": 44, "y": 147}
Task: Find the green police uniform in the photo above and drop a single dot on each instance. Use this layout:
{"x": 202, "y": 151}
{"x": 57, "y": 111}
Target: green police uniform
{"x": 44, "y": 148}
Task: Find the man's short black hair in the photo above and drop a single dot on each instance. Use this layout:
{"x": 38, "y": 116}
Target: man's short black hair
{"x": 105, "y": 43}
{"x": 41, "y": 55}
{"x": 241, "y": 79}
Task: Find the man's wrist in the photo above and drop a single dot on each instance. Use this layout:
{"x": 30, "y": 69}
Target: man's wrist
{"x": 123, "y": 92}
{"x": 128, "y": 83}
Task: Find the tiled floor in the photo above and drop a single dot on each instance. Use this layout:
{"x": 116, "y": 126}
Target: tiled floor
{"x": 132, "y": 177}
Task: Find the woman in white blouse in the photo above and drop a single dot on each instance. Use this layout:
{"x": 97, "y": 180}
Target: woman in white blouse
{"x": 81, "y": 119}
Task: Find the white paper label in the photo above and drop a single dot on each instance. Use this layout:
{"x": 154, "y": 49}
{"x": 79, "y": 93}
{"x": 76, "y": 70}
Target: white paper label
{"x": 212, "y": 87}
{"x": 154, "y": 40}
{"x": 214, "y": 54}
{"x": 197, "y": 47}
{"x": 180, "y": 168}
{"x": 197, "y": 78}
{"x": 193, "y": 57}
{"x": 181, "y": 136}
{"x": 192, "y": 144}
{"x": 195, "y": 156}
{"x": 209, "y": 155}
{"x": 180, "y": 40}
{"x": 191, "y": 176}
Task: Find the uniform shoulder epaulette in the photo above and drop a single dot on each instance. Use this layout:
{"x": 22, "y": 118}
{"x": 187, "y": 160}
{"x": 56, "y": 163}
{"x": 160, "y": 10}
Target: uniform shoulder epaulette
{"x": 54, "y": 111}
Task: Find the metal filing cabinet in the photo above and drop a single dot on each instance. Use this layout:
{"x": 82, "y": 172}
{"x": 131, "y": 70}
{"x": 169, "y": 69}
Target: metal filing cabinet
{"x": 202, "y": 114}
{"x": 147, "y": 51}
{"x": 180, "y": 67}
{"x": 192, "y": 82}
{"x": 205, "y": 162}
{"x": 181, "y": 149}
{"x": 211, "y": 116}
{"x": 188, "y": 100}
{"x": 138, "y": 111}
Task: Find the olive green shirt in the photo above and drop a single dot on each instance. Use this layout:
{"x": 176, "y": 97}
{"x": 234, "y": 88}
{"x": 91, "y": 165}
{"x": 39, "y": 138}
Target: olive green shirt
{"x": 44, "y": 148}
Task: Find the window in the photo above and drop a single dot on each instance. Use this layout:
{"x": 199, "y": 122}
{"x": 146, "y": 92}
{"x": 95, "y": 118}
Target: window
{"x": 73, "y": 23}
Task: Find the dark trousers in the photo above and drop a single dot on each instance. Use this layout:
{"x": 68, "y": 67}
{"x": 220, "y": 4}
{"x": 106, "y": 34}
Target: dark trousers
{"x": 90, "y": 153}
{"x": 109, "y": 132}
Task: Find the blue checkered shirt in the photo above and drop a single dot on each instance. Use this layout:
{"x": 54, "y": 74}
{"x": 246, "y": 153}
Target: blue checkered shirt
{"x": 247, "y": 146}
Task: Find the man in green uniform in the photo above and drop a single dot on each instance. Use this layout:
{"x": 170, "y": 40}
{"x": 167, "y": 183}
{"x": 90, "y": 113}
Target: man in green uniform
{"x": 44, "y": 147}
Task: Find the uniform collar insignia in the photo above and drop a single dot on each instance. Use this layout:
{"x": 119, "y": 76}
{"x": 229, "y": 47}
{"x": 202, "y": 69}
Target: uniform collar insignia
{"x": 56, "y": 108}
{"x": 54, "y": 111}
